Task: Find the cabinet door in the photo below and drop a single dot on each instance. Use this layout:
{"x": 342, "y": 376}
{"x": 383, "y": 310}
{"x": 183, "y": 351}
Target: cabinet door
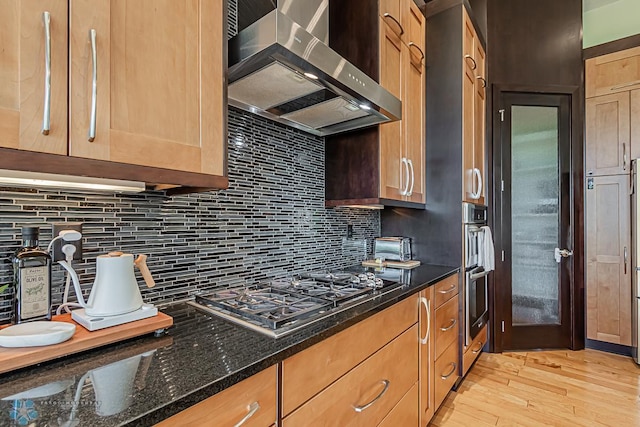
{"x": 608, "y": 264}
{"x": 413, "y": 100}
{"x": 394, "y": 170}
{"x": 159, "y": 76}
{"x": 615, "y": 72}
{"x": 468, "y": 100}
{"x": 634, "y": 127}
{"x": 23, "y": 70}
{"x": 479, "y": 117}
{"x": 426, "y": 380}
{"x": 607, "y": 134}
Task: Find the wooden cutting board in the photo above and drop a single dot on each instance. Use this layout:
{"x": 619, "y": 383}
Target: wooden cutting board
{"x": 391, "y": 264}
{"x": 82, "y": 339}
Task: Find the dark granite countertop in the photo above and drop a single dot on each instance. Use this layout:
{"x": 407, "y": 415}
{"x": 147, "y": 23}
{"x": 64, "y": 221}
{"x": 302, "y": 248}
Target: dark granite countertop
{"x": 145, "y": 380}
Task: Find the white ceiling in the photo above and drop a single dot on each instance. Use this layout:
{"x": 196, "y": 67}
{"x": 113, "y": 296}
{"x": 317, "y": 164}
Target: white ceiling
{"x": 594, "y": 4}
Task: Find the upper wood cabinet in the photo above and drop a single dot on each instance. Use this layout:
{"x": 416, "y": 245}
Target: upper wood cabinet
{"x": 611, "y": 73}
{"x": 33, "y": 74}
{"x": 159, "y": 83}
{"x": 139, "y": 83}
{"x": 473, "y": 113}
{"x": 383, "y": 165}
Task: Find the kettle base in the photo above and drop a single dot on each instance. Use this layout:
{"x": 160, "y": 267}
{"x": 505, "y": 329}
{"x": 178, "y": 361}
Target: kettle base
{"x": 95, "y": 323}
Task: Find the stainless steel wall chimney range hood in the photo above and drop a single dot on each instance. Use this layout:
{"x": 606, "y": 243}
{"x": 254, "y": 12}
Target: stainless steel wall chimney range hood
{"x": 281, "y": 67}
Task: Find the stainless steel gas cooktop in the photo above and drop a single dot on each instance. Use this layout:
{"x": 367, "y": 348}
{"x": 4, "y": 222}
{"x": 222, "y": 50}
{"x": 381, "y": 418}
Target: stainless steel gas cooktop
{"x": 284, "y": 305}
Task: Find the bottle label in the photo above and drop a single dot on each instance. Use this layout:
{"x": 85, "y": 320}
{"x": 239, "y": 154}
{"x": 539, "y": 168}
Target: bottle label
{"x": 34, "y": 292}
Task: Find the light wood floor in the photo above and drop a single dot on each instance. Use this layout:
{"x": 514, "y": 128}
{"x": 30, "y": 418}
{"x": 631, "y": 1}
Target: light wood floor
{"x": 556, "y": 388}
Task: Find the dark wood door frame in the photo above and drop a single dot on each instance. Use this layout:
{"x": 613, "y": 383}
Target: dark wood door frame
{"x": 577, "y": 295}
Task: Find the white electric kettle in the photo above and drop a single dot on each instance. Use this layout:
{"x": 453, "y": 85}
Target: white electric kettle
{"x": 115, "y": 289}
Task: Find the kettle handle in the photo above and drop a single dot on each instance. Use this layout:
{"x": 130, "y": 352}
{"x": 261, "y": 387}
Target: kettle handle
{"x": 141, "y": 263}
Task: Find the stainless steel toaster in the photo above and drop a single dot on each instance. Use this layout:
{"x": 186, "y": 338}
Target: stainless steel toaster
{"x": 393, "y": 248}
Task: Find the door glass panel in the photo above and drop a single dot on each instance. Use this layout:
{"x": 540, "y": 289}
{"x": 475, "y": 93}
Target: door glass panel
{"x": 534, "y": 215}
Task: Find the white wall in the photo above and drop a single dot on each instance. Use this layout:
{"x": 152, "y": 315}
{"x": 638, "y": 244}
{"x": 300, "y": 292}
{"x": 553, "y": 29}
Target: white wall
{"x": 605, "y": 21}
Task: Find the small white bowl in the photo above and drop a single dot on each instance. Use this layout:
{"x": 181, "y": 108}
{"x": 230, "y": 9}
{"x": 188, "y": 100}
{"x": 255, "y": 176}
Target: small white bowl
{"x": 39, "y": 333}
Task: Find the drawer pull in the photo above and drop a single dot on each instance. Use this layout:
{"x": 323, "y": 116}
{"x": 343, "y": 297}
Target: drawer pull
{"x": 365, "y": 406}
{"x": 451, "y": 289}
{"x": 446, "y": 328}
{"x": 448, "y": 374}
{"x": 478, "y": 348}
{"x": 253, "y": 408}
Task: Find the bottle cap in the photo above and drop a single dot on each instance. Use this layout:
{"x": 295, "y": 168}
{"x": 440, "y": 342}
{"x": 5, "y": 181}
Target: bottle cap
{"x": 30, "y": 233}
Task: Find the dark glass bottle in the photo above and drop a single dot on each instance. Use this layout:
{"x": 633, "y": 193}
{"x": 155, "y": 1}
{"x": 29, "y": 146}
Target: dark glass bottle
{"x": 31, "y": 280}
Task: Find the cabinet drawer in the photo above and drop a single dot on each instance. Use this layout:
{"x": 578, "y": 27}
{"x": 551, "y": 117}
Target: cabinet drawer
{"x": 615, "y": 72}
{"x": 446, "y": 326}
{"x": 446, "y": 289}
{"x": 472, "y": 352}
{"x": 405, "y": 413}
{"x": 228, "y": 407}
{"x": 364, "y": 387}
{"x": 310, "y": 371}
{"x": 446, "y": 373}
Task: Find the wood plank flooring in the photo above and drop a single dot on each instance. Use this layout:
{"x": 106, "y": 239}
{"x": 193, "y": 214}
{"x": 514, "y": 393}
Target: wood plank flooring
{"x": 546, "y": 388}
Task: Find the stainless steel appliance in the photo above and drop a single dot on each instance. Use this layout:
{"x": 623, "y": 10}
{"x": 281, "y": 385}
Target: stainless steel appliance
{"x": 392, "y": 248}
{"x": 282, "y": 306}
{"x": 476, "y": 300}
{"x": 281, "y": 68}
{"x": 635, "y": 253}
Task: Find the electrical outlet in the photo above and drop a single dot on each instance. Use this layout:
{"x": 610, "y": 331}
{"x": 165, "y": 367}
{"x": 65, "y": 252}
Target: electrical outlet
{"x": 57, "y": 254}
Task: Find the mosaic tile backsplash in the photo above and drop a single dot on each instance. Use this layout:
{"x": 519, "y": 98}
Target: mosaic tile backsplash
{"x": 270, "y": 222}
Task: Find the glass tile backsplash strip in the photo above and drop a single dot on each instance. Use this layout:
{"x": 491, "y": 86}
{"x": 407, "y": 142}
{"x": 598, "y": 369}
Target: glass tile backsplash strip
{"x": 270, "y": 222}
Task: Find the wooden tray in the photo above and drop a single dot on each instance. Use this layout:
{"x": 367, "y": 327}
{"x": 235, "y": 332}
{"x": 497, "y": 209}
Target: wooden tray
{"x": 82, "y": 339}
{"x": 392, "y": 264}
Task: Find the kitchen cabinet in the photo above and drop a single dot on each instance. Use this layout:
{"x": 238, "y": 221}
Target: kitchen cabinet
{"x": 612, "y": 73}
{"x": 143, "y": 97}
{"x": 472, "y": 351}
{"x": 608, "y": 269}
{"x": 446, "y": 331}
{"x": 26, "y": 44}
{"x": 251, "y": 402}
{"x": 612, "y": 133}
{"x": 473, "y": 113}
{"x": 337, "y": 355}
{"x": 382, "y": 165}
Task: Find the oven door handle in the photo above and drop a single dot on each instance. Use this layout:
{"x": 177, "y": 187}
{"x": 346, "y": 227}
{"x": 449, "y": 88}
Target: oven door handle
{"x": 476, "y": 276}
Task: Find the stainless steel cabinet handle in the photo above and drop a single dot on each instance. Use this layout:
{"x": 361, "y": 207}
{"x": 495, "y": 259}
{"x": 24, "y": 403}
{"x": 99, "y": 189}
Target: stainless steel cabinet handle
{"x": 480, "y": 345}
{"x": 483, "y": 80}
{"x": 446, "y": 328}
{"x": 624, "y": 156}
{"x": 413, "y": 45}
{"x": 637, "y": 82}
{"x": 451, "y": 289}
{"x": 388, "y": 15}
{"x": 478, "y": 175}
{"x": 413, "y": 177}
{"x": 375, "y": 399}
{"x": 425, "y": 302}
{"x": 448, "y": 374}
{"x": 46, "y": 119}
{"x": 94, "y": 86}
{"x": 406, "y": 169}
{"x": 626, "y": 257}
{"x": 474, "y": 64}
{"x": 253, "y": 408}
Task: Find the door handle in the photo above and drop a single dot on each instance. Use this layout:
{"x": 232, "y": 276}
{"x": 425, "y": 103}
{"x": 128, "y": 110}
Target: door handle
{"x": 46, "y": 118}
{"x": 561, "y": 253}
{"x": 476, "y": 276}
{"x": 425, "y": 302}
{"x": 405, "y": 161}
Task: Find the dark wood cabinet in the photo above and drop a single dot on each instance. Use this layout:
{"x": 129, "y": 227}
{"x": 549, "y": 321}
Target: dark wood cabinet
{"x": 382, "y": 165}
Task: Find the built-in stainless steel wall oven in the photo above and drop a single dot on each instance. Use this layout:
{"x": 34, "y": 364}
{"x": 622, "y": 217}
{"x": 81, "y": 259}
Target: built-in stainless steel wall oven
{"x": 476, "y": 300}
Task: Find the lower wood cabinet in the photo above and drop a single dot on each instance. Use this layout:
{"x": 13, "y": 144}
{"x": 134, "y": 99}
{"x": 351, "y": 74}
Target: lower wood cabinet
{"x": 471, "y": 353}
{"x": 252, "y": 400}
{"x": 445, "y": 373}
{"x": 404, "y": 414}
{"x": 367, "y": 393}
